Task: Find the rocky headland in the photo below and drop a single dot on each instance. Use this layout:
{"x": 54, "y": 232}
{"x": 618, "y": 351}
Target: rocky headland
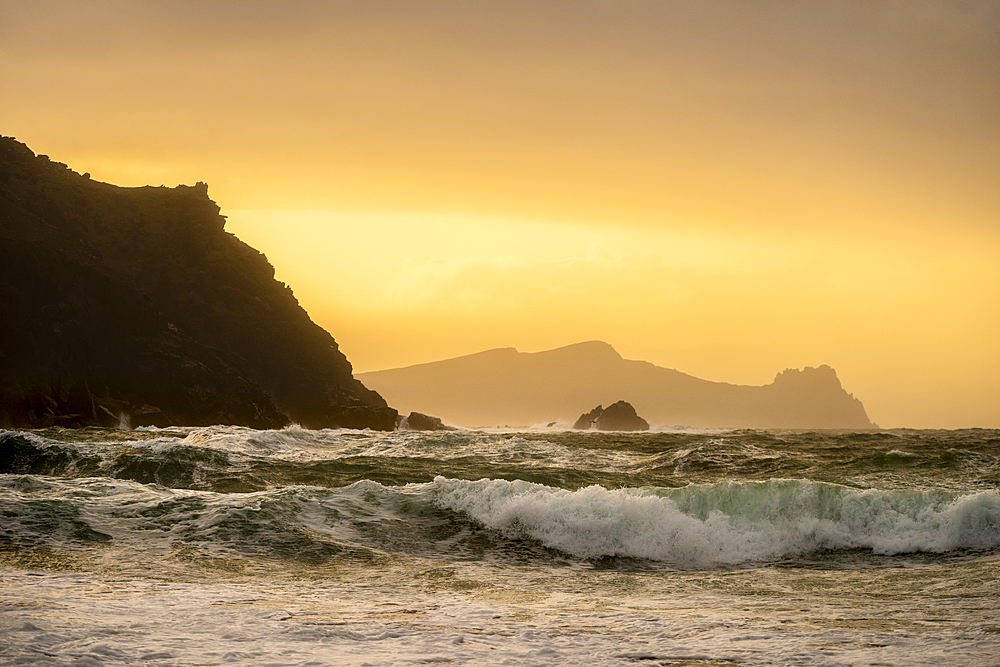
{"x": 134, "y": 306}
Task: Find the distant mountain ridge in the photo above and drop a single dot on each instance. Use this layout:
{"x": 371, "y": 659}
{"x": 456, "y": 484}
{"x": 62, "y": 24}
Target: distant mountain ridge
{"x": 507, "y": 387}
{"x": 134, "y": 305}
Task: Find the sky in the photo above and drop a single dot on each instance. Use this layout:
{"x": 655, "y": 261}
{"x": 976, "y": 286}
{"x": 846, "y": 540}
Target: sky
{"x": 727, "y": 188}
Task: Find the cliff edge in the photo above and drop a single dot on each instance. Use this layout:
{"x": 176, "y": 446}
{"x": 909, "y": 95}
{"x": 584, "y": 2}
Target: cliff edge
{"x": 134, "y": 305}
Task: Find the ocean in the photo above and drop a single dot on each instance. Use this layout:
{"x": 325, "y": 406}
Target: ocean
{"x": 542, "y": 546}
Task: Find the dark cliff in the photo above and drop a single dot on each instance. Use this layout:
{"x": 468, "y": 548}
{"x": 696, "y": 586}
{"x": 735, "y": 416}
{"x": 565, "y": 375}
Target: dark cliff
{"x": 135, "y": 304}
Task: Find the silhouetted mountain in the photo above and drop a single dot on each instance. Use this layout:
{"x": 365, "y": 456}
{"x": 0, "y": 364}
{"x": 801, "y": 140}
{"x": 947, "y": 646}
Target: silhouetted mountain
{"x": 504, "y": 386}
{"x": 136, "y": 303}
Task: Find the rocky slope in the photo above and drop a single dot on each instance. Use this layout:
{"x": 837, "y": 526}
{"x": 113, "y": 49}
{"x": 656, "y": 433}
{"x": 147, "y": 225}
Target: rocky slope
{"x": 507, "y": 387}
{"x": 135, "y": 305}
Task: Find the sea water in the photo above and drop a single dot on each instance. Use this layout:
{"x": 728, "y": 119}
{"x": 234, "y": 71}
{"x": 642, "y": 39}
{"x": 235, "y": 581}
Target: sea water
{"x": 548, "y": 546}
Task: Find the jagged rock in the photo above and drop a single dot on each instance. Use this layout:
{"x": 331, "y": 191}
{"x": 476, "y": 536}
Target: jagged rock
{"x": 417, "y": 421}
{"x": 621, "y": 416}
{"x": 135, "y": 304}
{"x": 586, "y": 421}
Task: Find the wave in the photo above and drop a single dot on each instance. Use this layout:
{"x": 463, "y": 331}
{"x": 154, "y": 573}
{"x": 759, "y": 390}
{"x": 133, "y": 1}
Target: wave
{"x": 294, "y": 524}
{"x": 234, "y": 459}
{"x": 683, "y": 500}
{"x": 728, "y": 523}
{"x": 698, "y": 526}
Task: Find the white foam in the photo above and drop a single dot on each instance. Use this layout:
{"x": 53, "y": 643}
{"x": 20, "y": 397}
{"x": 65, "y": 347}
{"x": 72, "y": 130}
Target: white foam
{"x": 901, "y": 454}
{"x": 728, "y": 523}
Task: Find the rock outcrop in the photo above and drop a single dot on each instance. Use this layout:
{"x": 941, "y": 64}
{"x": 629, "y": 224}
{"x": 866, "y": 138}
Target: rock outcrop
{"x": 620, "y": 416}
{"x": 417, "y": 421}
{"x": 135, "y": 306}
{"x": 589, "y": 419}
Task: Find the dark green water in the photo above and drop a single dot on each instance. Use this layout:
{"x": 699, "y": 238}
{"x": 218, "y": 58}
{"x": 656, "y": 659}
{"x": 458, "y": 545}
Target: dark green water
{"x": 539, "y": 546}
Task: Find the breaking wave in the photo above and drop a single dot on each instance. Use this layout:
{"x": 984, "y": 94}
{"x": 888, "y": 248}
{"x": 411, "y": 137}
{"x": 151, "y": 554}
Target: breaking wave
{"x": 728, "y": 523}
{"x": 677, "y": 500}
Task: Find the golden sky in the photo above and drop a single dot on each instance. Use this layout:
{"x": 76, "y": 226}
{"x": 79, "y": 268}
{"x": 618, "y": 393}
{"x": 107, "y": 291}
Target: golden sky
{"x": 728, "y": 188}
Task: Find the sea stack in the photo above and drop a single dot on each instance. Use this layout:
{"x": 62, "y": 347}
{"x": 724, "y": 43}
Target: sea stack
{"x": 620, "y": 416}
{"x": 134, "y": 306}
{"x": 589, "y": 419}
{"x": 417, "y": 421}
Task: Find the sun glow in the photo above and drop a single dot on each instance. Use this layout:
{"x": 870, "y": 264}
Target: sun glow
{"x": 737, "y": 308}
{"x": 729, "y": 189}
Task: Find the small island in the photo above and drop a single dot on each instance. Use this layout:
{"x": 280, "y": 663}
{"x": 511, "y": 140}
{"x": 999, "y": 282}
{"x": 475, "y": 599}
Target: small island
{"x": 504, "y": 386}
{"x": 417, "y": 421}
{"x": 620, "y": 416}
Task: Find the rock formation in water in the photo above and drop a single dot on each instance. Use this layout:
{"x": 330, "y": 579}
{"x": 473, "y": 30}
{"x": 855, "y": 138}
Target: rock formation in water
{"x": 134, "y": 305}
{"x": 620, "y": 416}
{"x": 417, "y": 421}
{"x": 588, "y": 419}
{"x": 505, "y": 386}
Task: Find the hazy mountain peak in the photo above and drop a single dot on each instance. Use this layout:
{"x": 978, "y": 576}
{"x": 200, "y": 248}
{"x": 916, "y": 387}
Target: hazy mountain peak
{"x": 590, "y": 350}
